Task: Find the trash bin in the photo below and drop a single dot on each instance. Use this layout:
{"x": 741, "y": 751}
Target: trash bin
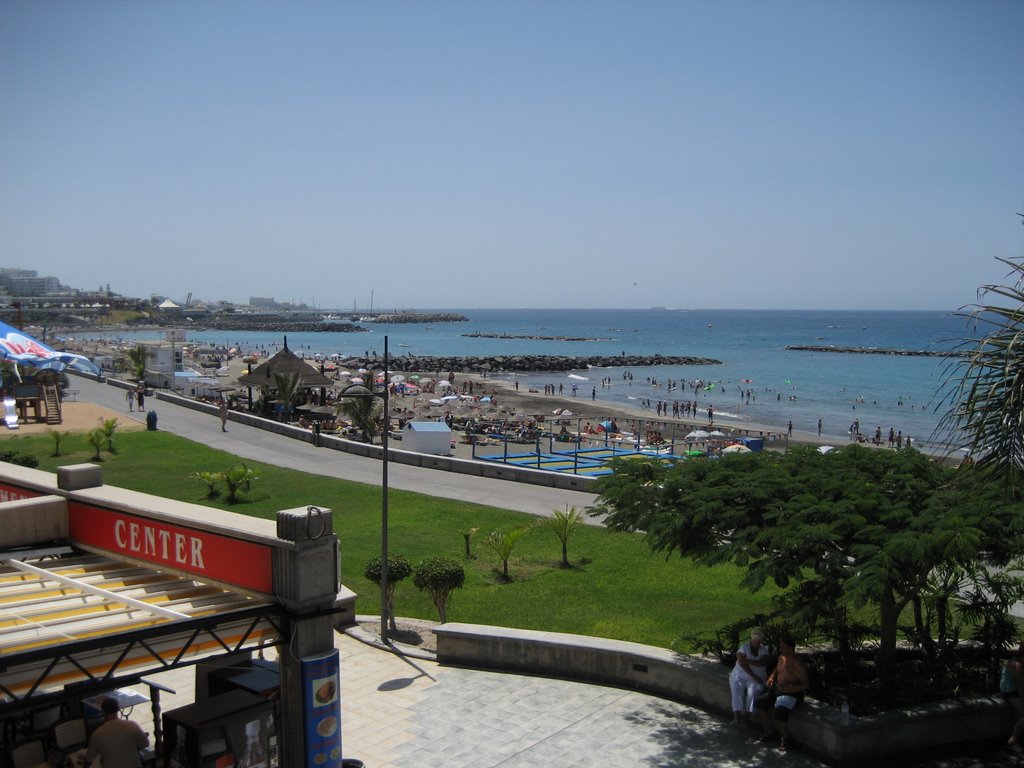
{"x": 151, "y": 421}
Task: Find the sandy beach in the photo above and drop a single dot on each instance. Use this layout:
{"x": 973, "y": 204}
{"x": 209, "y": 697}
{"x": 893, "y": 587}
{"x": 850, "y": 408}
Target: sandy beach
{"x": 522, "y": 405}
{"x": 78, "y": 417}
{"x": 506, "y": 404}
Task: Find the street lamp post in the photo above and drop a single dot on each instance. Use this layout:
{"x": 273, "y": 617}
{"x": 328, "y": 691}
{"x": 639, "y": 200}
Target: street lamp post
{"x": 384, "y": 607}
{"x": 358, "y": 392}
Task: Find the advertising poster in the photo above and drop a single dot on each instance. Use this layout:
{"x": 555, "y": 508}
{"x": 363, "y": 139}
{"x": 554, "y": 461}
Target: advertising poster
{"x": 321, "y": 701}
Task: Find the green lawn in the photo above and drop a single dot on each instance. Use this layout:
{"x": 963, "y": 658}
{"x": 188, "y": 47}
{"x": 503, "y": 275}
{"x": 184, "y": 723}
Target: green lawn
{"x": 616, "y": 587}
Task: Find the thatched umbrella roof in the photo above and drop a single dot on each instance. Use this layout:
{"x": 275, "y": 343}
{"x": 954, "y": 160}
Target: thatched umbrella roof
{"x": 286, "y": 363}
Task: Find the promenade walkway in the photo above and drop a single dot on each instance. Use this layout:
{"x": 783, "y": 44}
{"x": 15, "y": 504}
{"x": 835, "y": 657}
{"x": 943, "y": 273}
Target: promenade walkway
{"x": 402, "y": 712}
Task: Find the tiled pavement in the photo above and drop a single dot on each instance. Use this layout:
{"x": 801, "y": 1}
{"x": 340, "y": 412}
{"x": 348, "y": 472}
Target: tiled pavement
{"x": 401, "y": 712}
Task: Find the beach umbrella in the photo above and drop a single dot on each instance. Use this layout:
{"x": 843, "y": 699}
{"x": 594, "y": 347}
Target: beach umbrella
{"x": 364, "y": 370}
{"x": 356, "y": 380}
{"x": 397, "y": 378}
{"x": 444, "y": 383}
{"x": 698, "y": 434}
{"x": 825, "y": 448}
{"x": 344, "y": 373}
{"x": 736, "y": 449}
{"x": 415, "y": 377}
{"x": 26, "y": 350}
{"x": 716, "y": 433}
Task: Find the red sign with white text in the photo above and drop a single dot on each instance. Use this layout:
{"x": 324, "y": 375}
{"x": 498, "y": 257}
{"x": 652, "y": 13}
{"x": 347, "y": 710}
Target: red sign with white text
{"x": 205, "y": 554}
{"x": 15, "y": 492}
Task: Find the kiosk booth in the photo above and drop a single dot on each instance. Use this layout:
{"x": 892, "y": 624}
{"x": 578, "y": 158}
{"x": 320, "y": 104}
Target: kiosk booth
{"x": 100, "y": 586}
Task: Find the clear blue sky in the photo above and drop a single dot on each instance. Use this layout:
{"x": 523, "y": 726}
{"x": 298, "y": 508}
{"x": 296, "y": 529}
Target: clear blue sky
{"x": 812, "y": 154}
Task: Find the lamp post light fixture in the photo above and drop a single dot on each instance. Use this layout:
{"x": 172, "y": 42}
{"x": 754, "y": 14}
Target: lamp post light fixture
{"x": 359, "y": 391}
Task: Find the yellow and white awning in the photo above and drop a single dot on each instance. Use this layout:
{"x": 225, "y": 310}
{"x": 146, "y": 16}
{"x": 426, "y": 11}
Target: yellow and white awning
{"x": 82, "y": 617}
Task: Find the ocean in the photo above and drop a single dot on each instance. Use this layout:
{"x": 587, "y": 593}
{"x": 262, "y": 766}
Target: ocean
{"x": 881, "y": 391}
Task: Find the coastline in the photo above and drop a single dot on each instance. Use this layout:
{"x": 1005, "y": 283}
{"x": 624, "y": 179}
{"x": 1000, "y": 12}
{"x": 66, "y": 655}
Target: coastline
{"x": 511, "y": 403}
{"x": 594, "y": 411}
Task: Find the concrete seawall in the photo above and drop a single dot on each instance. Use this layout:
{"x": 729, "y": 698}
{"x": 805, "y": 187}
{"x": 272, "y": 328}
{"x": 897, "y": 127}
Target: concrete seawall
{"x": 443, "y": 463}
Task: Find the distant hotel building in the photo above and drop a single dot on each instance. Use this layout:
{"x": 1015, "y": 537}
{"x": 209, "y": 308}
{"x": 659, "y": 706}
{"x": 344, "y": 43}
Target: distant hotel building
{"x": 26, "y": 282}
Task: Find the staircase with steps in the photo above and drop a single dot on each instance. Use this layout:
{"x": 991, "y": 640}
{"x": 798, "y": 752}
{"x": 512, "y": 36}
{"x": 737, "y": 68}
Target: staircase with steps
{"x": 52, "y": 400}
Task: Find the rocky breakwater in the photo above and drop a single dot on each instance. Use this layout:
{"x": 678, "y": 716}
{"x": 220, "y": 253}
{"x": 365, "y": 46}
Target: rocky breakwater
{"x": 419, "y": 317}
{"x": 877, "y": 351}
{"x": 519, "y": 363}
{"x": 277, "y": 323}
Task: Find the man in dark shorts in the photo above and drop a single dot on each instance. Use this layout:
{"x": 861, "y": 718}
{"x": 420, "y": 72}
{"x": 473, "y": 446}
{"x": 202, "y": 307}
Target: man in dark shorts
{"x": 788, "y": 684}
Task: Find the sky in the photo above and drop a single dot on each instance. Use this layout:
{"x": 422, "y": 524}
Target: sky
{"x": 538, "y": 153}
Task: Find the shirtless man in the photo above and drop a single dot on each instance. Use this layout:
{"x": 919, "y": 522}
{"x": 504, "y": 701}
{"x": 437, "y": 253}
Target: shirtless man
{"x": 791, "y": 681}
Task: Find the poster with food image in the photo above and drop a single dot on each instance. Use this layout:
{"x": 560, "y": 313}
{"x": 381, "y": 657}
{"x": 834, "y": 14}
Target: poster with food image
{"x": 322, "y": 710}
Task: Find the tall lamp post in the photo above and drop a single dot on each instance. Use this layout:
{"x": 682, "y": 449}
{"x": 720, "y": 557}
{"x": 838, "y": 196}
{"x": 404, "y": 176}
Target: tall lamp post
{"x": 357, "y": 391}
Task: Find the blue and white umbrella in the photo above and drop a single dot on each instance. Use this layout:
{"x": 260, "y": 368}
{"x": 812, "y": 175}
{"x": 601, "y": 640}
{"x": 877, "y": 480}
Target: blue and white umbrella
{"x": 24, "y": 350}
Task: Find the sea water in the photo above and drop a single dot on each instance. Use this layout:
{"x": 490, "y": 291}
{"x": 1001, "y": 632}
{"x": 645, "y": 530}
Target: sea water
{"x": 880, "y": 391}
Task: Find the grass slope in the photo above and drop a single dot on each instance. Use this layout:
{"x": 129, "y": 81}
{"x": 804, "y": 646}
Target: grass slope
{"x": 615, "y": 588}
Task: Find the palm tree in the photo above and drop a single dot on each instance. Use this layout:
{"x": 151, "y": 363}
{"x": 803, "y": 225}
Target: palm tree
{"x": 986, "y": 415}
{"x": 364, "y": 411}
{"x": 287, "y": 386}
{"x": 563, "y": 525}
{"x": 502, "y": 543}
{"x": 108, "y": 427}
{"x": 137, "y": 358}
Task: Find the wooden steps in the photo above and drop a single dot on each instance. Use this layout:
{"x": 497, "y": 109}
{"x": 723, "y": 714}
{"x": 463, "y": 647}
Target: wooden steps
{"x": 52, "y": 400}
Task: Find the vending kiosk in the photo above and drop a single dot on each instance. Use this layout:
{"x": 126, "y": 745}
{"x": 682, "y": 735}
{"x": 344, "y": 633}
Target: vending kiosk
{"x": 234, "y": 730}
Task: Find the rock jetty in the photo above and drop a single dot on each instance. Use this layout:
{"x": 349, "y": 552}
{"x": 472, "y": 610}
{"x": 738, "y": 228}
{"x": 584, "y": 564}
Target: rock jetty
{"x": 518, "y": 363}
{"x": 418, "y": 317}
{"x": 292, "y": 323}
{"x": 876, "y": 351}
{"x": 530, "y": 338}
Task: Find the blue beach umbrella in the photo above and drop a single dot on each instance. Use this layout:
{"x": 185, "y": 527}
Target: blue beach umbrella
{"x": 24, "y": 350}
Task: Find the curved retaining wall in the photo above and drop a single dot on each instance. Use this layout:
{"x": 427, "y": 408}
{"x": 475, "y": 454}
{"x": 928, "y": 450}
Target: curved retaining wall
{"x": 705, "y": 684}
{"x": 490, "y": 469}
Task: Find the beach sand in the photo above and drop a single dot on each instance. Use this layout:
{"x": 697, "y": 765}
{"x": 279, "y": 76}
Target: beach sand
{"x": 77, "y": 417}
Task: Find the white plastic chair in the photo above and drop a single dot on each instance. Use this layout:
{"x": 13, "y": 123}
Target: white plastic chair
{"x": 70, "y": 735}
{"x": 29, "y": 755}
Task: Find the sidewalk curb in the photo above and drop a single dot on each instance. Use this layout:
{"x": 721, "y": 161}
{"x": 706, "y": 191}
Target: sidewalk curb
{"x": 356, "y": 632}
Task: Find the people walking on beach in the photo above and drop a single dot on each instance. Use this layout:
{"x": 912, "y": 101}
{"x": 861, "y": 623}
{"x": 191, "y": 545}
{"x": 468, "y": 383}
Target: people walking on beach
{"x": 130, "y": 397}
{"x": 140, "y": 397}
{"x": 819, "y": 427}
{"x": 222, "y": 412}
